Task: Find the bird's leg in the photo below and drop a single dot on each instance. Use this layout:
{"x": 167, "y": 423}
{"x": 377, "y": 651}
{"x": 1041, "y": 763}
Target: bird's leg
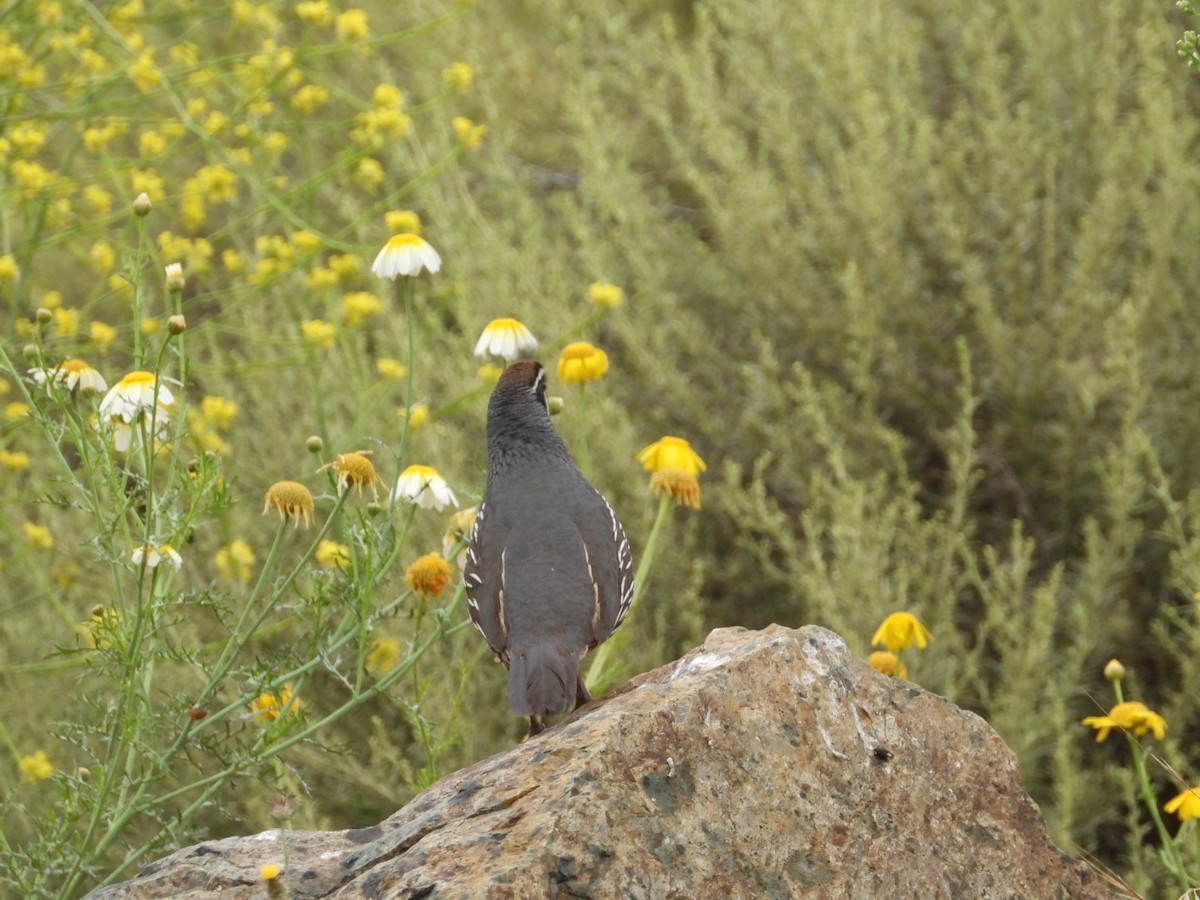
{"x": 582, "y": 694}
{"x": 535, "y": 727}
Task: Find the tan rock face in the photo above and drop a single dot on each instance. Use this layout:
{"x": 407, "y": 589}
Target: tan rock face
{"x": 768, "y": 764}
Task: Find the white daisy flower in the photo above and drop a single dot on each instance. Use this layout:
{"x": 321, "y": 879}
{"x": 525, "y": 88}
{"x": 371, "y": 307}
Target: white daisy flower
{"x": 128, "y": 403}
{"x": 423, "y": 486}
{"x": 405, "y": 254}
{"x": 506, "y": 338}
{"x": 151, "y": 556}
{"x": 72, "y": 374}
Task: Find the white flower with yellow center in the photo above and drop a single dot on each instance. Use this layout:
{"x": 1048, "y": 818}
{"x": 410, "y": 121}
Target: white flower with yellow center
{"x": 423, "y": 486}
{"x": 507, "y": 339}
{"x": 129, "y": 402}
{"x": 151, "y": 555}
{"x": 72, "y": 374}
{"x": 405, "y": 254}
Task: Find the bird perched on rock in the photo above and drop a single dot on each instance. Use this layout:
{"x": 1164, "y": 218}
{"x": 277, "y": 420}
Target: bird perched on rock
{"x": 549, "y": 574}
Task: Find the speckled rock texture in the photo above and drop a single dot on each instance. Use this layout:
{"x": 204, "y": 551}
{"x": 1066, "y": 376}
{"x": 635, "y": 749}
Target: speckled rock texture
{"x": 767, "y": 764}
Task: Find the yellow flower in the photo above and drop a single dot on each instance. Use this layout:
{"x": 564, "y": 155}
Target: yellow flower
{"x": 101, "y": 628}
{"x": 352, "y": 25}
{"x": 144, "y": 73}
{"x": 318, "y": 333}
{"x": 1185, "y": 805}
{"x": 506, "y": 338}
{"x": 309, "y": 99}
{"x": 405, "y": 254}
{"x": 14, "y": 460}
{"x": 671, "y": 453}
{"x": 423, "y": 486}
{"x": 888, "y": 663}
{"x": 899, "y": 630}
{"x": 149, "y": 325}
{"x": 608, "y": 296}
{"x": 39, "y": 536}
{"x": 102, "y": 335}
{"x": 458, "y": 531}
{"x": 459, "y": 76}
{"x": 9, "y": 269}
{"x": 683, "y": 486}
{"x": 150, "y": 556}
{"x": 35, "y": 767}
{"x": 354, "y": 470}
{"x": 293, "y": 501}
{"x": 16, "y": 410}
{"x": 391, "y": 368}
{"x": 489, "y": 373}
{"x": 234, "y": 561}
{"x": 403, "y": 220}
{"x": 103, "y": 257}
{"x": 346, "y": 265}
{"x": 469, "y": 134}
{"x": 383, "y": 656}
{"x": 417, "y": 416}
{"x": 233, "y": 261}
{"x": 359, "y": 306}
{"x": 428, "y": 575}
{"x": 1129, "y": 716}
{"x": 332, "y": 555}
{"x": 269, "y": 872}
{"x": 218, "y": 412}
{"x": 66, "y": 321}
{"x": 315, "y": 12}
{"x": 269, "y": 705}
{"x": 387, "y": 96}
{"x": 580, "y": 362}
{"x": 369, "y": 175}
{"x": 97, "y": 199}
{"x": 320, "y": 278}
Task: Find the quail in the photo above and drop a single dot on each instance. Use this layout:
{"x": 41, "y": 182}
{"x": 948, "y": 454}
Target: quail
{"x": 549, "y": 573}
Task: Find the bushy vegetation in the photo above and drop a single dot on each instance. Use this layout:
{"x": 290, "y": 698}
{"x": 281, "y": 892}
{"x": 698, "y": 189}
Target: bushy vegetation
{"x": 915, "y": 279}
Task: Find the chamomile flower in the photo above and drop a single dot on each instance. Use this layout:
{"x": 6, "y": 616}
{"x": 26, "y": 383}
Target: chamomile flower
{"x": 292, "y": 500}
{"x": 354, "y": 470}
{"x": 73, "y": 374}
{"x": 581, "y": 362}
{"x": 137, "y": 399}
{"x": 150, "y": 555}
{"x": 506, "y": 338}
{"x": 405, "y": 254}
{"x": 423, "y": 486}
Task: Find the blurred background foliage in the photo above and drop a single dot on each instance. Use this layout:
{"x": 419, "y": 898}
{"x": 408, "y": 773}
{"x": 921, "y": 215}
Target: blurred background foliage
{"x": 915, "y": 278}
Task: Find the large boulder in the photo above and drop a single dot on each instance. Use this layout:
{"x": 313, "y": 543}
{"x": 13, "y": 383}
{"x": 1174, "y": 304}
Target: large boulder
{"x": 767, "y": 764}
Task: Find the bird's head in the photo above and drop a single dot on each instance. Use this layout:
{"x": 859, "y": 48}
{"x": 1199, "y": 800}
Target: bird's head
{"x": 519, "y": 415}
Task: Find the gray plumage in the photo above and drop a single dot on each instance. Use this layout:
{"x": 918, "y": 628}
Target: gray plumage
{"x": 549, "y": 573}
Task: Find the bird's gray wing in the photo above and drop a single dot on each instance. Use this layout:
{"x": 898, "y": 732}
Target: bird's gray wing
{"x": 483, "y": 577}
{"x": 610, "y": 565}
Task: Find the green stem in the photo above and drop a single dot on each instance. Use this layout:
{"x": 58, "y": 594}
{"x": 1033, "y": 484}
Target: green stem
{"x": 598, "y": 675}
{"x": 1171, "y": 854}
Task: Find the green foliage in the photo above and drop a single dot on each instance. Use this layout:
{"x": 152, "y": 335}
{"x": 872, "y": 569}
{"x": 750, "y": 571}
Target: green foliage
{"x": 916, "y": 279}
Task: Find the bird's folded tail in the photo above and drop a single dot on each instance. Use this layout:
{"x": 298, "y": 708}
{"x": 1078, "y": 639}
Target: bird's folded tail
{"x": 541, "y": 679}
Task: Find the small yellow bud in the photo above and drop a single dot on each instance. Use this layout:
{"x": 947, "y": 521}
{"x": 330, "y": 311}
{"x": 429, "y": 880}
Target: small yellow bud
{"x": 1113, "y": 670}
{"x": 175, "y": 278}
{"x": 44, "y": 315}
{"x": 142, "y": 205}
{"x": 314, "y": 444}
{"x": 176, "y": 325}
{"x": 29, "y": 351}
{"x": 555, "y": 404}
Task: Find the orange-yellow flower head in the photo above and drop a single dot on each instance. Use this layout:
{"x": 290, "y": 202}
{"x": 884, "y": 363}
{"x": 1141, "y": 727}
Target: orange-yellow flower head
{"x": 293, "y": 501}
{"x": 405, "y": 254}
{"x": 506, "y": 338}
{"x": 580, "y": 362}
{"x": 1185, "y": 805}
{"x": 428, "y": 575}
{"x": 683, "y": 486}
{"x": 35, "y": 767}
{"x": 888, "y": 663}
{"x": 355, "y": 470}
{"x": 671, "y": 453}
{"x": 899, "y": 631}
{"x": 1130, "y": 716}
{"x": 270, "y": 705}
